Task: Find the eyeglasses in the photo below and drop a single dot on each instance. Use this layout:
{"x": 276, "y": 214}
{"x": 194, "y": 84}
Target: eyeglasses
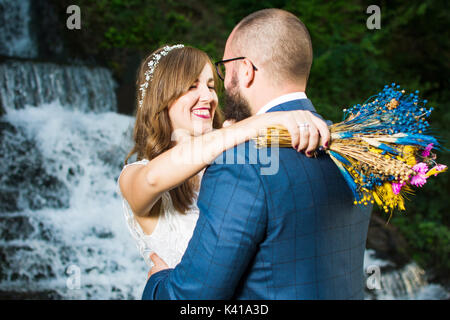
{"x": 220, "y": 66}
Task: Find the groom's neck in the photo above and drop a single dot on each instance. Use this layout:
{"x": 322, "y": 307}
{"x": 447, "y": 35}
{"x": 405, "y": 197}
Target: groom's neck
{"x": 262, "y": 96}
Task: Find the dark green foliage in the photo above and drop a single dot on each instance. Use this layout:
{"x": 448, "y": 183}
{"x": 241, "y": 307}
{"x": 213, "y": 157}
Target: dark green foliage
{"x": 351, "y": 63}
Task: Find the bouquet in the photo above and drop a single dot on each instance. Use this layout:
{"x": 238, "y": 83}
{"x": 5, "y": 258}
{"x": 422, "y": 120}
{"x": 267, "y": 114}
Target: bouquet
{"x": 383, "y": 147}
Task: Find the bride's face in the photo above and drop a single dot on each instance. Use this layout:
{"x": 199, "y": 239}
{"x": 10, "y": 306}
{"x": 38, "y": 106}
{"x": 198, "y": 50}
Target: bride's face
{"x": 192, "y": 113}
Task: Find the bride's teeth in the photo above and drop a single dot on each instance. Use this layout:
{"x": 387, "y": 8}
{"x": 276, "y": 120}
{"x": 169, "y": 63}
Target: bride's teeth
{"x": 201, "y": 112}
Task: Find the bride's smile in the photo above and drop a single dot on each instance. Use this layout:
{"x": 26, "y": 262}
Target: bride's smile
{"x": 203, "y": 113}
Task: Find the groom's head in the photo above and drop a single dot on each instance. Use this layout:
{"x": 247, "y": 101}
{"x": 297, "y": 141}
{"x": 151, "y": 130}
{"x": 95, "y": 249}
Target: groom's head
{"x": 278, "y": 57}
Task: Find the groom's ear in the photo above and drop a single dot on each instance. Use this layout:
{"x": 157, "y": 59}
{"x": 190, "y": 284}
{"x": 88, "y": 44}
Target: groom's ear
{"x": 248, "y": 73}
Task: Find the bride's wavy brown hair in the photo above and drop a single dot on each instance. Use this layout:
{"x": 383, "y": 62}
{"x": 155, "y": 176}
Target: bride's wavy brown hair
{"x": 152, "y": 133}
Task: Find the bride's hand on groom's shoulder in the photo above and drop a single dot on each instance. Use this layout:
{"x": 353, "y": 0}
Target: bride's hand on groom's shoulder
{"x": 306, "y": 129}
{"x": 158, "y": 265}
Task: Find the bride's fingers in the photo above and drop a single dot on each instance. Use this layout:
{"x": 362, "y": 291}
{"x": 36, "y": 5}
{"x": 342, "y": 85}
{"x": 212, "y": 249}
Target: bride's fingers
{"x": 157, "y": 260}
{"x": 292, "y": 127}
{"x": 323, "y": 130}
{"x": 313, "y": 136}
{"x": 313, "y": 140}
{"x": 304, "y": 136}
{"x": 302, "y": 124}
{"x": 158, "y": 264}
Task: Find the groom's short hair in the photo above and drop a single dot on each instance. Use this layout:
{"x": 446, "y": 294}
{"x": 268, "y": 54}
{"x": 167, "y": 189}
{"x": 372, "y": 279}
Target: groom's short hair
{"x": 279, "y": 41}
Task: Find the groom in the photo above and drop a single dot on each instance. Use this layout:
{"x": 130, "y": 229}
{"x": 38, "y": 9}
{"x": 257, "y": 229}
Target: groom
{"x": 294, "y": 234}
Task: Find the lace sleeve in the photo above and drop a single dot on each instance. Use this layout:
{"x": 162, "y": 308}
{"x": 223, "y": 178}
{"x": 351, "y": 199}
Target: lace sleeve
{"x": 133, "y": 226}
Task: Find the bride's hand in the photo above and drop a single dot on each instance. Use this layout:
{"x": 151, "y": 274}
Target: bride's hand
{"x": 306, "y": 130}
{"x": 159, "y": 264}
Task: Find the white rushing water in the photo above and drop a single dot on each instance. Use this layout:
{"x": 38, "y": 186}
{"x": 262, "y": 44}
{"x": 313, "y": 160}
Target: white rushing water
{"x": 44, "y": 252}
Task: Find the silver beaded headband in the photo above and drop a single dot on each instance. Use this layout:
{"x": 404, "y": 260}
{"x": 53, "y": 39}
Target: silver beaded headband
{"x": 151, "y": 68}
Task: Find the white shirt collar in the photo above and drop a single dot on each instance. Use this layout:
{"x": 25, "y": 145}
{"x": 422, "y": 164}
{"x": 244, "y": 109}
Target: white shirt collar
{"x": 282, "y": 99}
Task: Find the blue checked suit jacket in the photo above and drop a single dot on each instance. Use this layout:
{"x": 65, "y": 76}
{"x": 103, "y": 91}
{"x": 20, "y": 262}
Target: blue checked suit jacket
{"x": 291, "y": 233}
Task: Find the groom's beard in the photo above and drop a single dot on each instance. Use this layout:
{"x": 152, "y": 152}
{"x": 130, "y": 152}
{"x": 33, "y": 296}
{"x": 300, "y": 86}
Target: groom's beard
{"x": 236, "y": 106}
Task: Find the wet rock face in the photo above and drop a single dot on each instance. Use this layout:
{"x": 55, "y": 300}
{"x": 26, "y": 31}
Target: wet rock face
{"x": 16, "y": 38}
{"x": 15, "y": 227}
{"x": 23, "y": 168}
{"x": 30, "y": 29}
{"x": 29, "y": 295}
{"x": 47, "y": 31}
{"x": 387, "y": 241}
{"x": 12, "y": 268}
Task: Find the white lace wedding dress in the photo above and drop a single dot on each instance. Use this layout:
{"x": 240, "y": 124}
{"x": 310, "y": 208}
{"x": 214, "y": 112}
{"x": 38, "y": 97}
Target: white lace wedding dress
{"x": 172, "y": 232}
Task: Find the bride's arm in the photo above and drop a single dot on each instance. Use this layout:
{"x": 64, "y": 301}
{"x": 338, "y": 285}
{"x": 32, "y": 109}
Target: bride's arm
{"x": 143, "y": 185}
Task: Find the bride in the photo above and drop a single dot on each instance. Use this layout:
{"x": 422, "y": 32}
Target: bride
{"x": 174, "y": 141}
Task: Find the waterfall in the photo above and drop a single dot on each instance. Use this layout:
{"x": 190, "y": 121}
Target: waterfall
{"x": 406, "y": 283}
{"x": 15, "y": 36}
{"x": 76, "y": 87}
{"x": 62, "y": 232}
{"x": 61, "y": 216}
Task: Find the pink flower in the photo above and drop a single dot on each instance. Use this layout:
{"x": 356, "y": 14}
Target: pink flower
{"x": 440, "y": 167}
{"x": 421, "y": 168}
{"x": 437, "y": 169}
{"x": 418, "y": 180}
{"x": 397, "y": 187}
{"x": 426, "y": 152}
